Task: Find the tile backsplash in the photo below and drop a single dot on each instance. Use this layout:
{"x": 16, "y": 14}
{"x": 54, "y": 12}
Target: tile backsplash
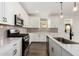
{"x": 3, "y": 30}
{"x": 52, "y": 30}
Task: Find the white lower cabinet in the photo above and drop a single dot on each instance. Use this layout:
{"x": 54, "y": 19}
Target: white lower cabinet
{"x": 51, "y": 53}
{"x": 34, "y": 37}
{"x": 17, "y": 46}
{"x": 1, "y": 11}
{"x": 54, "y": 49}
{"x": 42, "y": 36}
{"x": 6, "y": 51}
{"x": 37, "y": 37}
{"x": 13, "y": 49}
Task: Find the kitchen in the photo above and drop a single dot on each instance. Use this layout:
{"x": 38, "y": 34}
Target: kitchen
{"x": 39, "y": 29}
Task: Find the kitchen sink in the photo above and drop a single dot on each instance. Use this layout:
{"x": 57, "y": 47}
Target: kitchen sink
{"x": 65, "y": 41}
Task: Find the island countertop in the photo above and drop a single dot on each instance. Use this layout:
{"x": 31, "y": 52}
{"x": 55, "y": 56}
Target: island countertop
{"x": 73, "y": 49}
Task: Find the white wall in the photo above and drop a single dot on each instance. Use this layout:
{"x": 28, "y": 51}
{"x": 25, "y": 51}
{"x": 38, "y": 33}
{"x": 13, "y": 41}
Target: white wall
{"x": 76, "y": 28}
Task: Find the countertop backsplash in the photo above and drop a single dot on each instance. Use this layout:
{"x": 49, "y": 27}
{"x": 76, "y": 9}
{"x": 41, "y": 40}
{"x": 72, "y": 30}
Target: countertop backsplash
{"x": 3, "y": 32}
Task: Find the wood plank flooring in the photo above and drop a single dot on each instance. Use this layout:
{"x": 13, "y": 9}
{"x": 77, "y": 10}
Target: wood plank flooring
{"x": 38, "y": 49}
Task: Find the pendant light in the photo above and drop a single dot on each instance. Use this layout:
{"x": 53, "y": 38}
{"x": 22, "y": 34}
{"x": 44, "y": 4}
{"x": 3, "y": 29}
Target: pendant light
{"x": 61, "y": 14}
{"x": 75, "y": 8}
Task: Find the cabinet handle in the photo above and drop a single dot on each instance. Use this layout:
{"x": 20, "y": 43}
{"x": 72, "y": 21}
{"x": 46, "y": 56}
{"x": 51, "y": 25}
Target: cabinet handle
{"x": 14, "y": 44}
{"x": 14, "y": 52}
{"x": 52, "y": 49}
{"x": 4, "y": 19}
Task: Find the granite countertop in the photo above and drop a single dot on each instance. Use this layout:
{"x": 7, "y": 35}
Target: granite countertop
{"x": 71, "y": 48}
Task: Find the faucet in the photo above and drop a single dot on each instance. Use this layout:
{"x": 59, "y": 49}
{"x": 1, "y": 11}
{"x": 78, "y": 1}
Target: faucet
{"x": 71, "y": 34}
{"x": 69, "y": 28}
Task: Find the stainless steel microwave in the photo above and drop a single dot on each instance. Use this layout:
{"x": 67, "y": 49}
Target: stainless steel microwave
{"x": 18, "y": 21}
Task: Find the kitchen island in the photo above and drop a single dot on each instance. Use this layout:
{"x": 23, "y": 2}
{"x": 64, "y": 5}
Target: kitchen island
{"x": 57, "y": 48}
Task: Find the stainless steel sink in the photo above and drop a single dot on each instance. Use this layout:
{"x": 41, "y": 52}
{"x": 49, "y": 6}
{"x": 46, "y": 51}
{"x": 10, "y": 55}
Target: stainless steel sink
{"x": 65, "y": 41}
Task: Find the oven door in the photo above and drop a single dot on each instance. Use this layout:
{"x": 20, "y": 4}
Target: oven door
{"x": 25, "y": 47}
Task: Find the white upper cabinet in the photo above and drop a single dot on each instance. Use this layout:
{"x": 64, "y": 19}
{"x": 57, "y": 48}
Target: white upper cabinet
{"x": 9, "y": 9}
{"x": 22, "y": 14}
{"x": 34, "y": 22}
{"x": 54, "y": 22}
{"x": 0, "y": 12}
{"x": 9, "y": 12}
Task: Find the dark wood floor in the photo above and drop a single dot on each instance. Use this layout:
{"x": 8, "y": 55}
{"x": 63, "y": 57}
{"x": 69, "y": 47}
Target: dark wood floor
{"x": 38, "y": 49}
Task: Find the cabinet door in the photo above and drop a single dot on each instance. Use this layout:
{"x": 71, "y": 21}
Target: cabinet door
{"x": 42, "y": 36}
{"x": 34, "y": 22}
{"x": 38, "y": 37}
{"x": 65, "y": 53}
{"x": 20, "y": 12}
{"x": 1, "y": 12}
{"x": 33, "y": 37}
{"x": 18, "y": 47}
{"x": 51, "y": 53}
{"x": 7, "y": 13}
{"x": 54, "y": 22}
{"x": 26, "y": 19}
{"x": 10, "y": 12}
{"x": 6, "y": 50}
{"x": 55, "y": 49}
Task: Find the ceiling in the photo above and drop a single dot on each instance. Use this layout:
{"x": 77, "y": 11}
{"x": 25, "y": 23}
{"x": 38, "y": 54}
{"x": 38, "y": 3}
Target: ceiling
{"x": 49, "y": 8}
